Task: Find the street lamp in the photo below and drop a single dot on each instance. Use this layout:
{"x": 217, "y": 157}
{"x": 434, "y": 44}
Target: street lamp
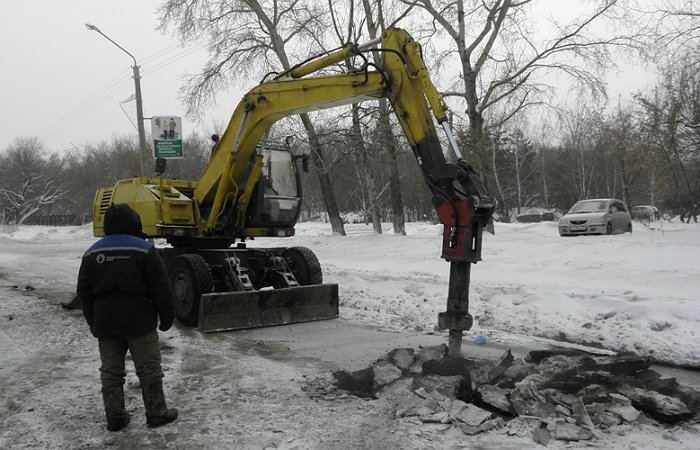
{"x": 139, "y": 104}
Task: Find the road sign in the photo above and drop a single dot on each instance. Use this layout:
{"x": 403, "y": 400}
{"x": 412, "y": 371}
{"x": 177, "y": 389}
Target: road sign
{"x": 167, "y": 136}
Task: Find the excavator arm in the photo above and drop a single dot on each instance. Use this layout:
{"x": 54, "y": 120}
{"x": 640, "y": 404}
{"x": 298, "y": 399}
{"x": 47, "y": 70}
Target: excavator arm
{"x": 462, "y": 203}
{"x": 403, "y": 80}
{"x": 219, "y": 187}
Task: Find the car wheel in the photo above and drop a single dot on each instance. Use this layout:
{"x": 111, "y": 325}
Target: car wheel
{"x": 629, "y": 228}
{"x": 608, "y": 229}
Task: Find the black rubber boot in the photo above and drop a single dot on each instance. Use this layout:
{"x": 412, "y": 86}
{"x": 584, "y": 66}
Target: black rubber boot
{"x": 156, "y": 421}
{"x": 117, "y": 417}
{"x": 157, "y": 413}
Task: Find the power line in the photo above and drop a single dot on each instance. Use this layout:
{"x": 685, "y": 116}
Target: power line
{"x": 175, "y": 59}
{"x": 160, "y": 52}
{"x": 111, "y": 89}
{"x": 88, "y": 105}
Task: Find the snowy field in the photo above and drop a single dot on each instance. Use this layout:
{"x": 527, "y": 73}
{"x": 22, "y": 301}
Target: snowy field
{"x": 629, "y": 293}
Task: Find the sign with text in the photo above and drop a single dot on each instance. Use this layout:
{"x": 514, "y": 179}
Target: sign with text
{"x": 167, "y": 136}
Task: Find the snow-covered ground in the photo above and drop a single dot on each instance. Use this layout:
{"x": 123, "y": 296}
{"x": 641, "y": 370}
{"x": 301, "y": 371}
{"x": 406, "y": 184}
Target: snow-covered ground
{"x": 636, "y": 293}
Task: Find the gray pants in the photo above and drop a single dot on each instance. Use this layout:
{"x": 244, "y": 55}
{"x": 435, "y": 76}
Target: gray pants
{"x": 145, "y": 352}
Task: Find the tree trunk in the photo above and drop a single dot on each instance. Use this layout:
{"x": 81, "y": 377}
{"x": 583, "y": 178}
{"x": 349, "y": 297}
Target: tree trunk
{"x": 582, "y": 173}
{"x": 387, "y": 137}
{"x": 625, "y": 181}
{"x": 367, "y": 171}
{"x": 544, "y": 181}
{"x": 397, "y": 220}
{"x": 323, "y": 177}
{"x": 518, "y": 181}
{"x": 476, "y": 120}
{"x": 497, "y": 180}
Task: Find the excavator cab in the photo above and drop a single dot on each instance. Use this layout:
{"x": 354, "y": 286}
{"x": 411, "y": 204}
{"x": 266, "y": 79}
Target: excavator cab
{"x": 276, "y": 200}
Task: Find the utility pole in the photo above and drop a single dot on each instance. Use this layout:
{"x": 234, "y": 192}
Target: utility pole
{"x": 139, "y": 118}
{"x": 139, "y": 103}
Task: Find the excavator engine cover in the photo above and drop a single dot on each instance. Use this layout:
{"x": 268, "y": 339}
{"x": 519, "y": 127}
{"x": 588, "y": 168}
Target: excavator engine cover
{"x": 223, "y": 311}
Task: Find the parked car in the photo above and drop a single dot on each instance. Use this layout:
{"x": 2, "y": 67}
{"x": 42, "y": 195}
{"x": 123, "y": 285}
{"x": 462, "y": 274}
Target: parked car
{"x": 645, "y": 212}
{"x": 596, "y": 216}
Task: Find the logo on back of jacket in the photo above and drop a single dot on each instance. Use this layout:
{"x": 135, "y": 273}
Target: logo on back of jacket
{"x": 101, "y": 257}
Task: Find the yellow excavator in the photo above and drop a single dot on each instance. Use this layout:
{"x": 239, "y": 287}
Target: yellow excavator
{"x": 251, "y": 188}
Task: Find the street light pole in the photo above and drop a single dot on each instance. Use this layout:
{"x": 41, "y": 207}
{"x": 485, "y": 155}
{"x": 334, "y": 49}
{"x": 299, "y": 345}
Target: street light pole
{"x": 139, "y": 103}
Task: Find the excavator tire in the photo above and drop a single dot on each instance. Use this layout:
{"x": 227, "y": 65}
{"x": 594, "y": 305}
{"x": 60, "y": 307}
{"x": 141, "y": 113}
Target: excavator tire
{"x": 190, "y": 277}
{"x": 304, "y": 265}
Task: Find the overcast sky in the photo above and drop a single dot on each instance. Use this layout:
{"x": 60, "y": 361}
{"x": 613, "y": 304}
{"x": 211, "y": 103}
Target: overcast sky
{"x": 64, "y": 83}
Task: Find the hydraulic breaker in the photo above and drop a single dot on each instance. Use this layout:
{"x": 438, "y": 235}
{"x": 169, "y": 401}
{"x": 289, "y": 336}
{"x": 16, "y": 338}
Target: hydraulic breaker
{"x": 463, "y": 223}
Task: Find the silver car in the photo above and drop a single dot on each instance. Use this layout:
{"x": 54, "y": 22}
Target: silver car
{"x": 596, "y": 216}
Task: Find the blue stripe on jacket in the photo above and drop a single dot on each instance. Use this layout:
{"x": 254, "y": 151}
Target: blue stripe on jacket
{"x": 119, "y": 242}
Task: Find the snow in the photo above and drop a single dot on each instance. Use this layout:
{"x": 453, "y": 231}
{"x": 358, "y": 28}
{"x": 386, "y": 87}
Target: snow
{"x": 624, "y": 293}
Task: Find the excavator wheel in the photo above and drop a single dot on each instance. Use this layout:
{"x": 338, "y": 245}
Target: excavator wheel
{"x": 190, "y": 277}
{"x": 304, "y": 265}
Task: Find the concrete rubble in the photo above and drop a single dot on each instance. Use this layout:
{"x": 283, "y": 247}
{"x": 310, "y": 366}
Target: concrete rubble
{"x": 564, "y": 394}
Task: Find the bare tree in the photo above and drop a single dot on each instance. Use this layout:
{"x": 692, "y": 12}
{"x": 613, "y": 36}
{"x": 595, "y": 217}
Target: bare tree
{"x": 364, "y": 166}
{"x": 673, "y": 112}
{"x": 28, "y": 180}
{"x": 379, "y": 150}
{"x": 248, "y": 38}
{"x": 522, "y": 157}
{"x": 503, "y": 61}
{"x": 543, "y": 147}
{"x": 673, "y": 29}
{"x": 626, "y": 150}
{"x": 388, "y": 142}
{"x": 579, "y": 132}
{"x": 673, "y": 38}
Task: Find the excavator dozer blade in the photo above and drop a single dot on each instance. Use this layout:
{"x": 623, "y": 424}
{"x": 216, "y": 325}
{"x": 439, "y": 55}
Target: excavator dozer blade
{"x": 222, "y": 311}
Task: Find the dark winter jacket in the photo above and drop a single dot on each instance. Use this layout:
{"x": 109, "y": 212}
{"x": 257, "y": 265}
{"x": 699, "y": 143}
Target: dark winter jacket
{"x": 122, "y": 282}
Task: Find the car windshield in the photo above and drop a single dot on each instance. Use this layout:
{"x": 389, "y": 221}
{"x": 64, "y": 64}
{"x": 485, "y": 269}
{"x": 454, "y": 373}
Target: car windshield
{"x": 589, "y": 206}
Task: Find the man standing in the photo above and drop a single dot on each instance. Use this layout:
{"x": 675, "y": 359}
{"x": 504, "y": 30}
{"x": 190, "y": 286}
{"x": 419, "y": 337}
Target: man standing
{"x": 171, "y": 128}
{"x": 125, "y": 289}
